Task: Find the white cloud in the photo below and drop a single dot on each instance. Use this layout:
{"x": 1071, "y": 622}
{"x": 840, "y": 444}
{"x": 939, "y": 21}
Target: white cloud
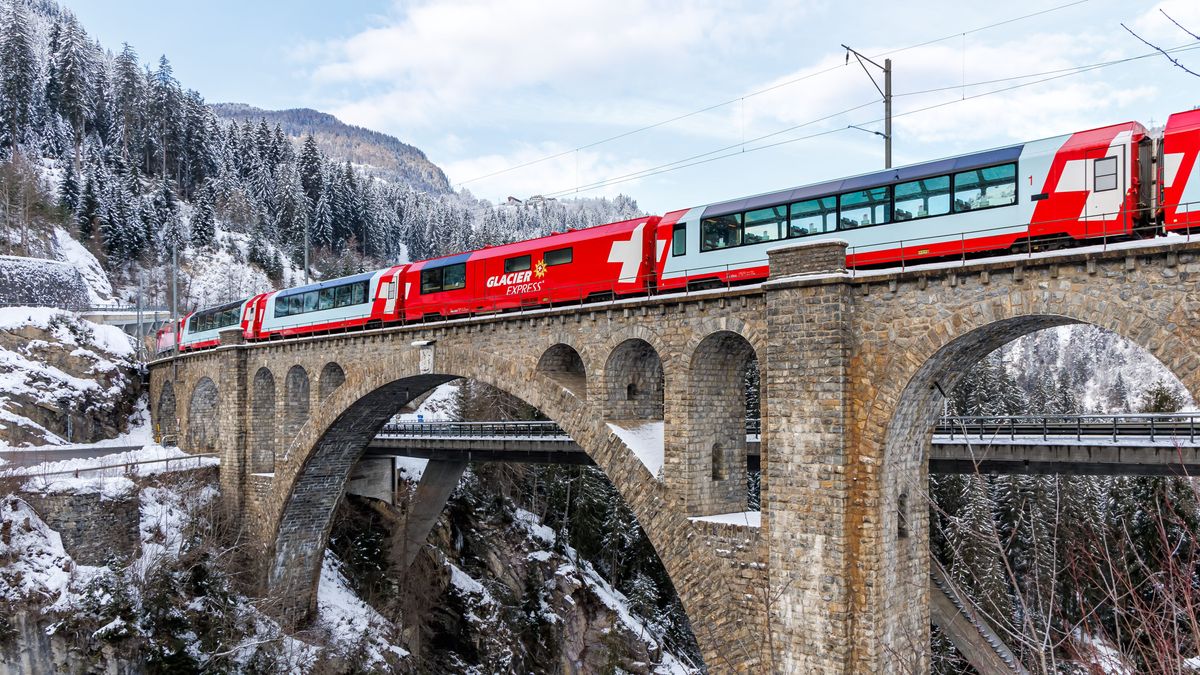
{"x": 560, "y": 174}
{"x": 1157, "y": 28}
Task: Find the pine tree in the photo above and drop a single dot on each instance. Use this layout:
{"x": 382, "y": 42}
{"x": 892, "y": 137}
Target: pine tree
{"x": 18, "y": 75}
{"x": 87, "y": 216}
{"x": 1160, "y": 398}
{"x": 311, "y": 175}
{"x": 74, "y": 62}
{"x": 204, "y": 220}
{"x": 68, "y": 189}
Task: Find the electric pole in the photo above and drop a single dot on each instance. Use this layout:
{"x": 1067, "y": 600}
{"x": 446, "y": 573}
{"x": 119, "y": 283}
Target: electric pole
{"x": 886, "y": 92}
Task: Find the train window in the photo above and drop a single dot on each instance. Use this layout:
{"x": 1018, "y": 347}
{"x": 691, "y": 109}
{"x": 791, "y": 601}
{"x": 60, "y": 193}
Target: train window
{"x": 341, "y": 296}
{"x": 281, "y": 307}
{"x": 985, "y": 188}
{"x": 310, "y": 301}
{"x": 325, "y": 301}
{"x": 864, "y": 208}
{"x": 358, "y": 293}
{"x": 679, "y": 239}
{"x": 518, "y": 264}
{"x": 921, "y": 198}
{"x": 764, "y": 224}
{"x": 721, "y": 232}
{"x": 560, "y": 256}
{"x": 1106, "y": 174}
{"x": 814, "y": 216}
{"x": 455, "y": 276}
{"x": 431, "y": 280}
{"x": 295, "y": 304}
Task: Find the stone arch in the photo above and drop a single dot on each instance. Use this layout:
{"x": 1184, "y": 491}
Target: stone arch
{"x": 634, "y": 380}
{"x": 295, "y": 403}
{"x": 334, "y": 439}
{"x": 563, "y": 364}
{"x": 263, "y": 422}
{"x": 203, "y": 423}
{"x": 167, "y": 417}
{"x": 900, "y": 415}
{"x": 716, "y": 453}
{"x": 332, "y": 377}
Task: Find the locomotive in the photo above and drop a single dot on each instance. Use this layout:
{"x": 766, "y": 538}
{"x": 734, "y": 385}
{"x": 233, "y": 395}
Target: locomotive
{"x": 1115, "y": 182}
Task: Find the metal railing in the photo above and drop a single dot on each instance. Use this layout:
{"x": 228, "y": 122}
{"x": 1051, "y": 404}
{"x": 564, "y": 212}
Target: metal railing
{"x": 1076, "y": 427}
{"x": 125, "y": 467}
{"x": 549, "y": 430}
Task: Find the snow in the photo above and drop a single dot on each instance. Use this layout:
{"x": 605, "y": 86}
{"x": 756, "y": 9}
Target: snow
{"x": 350, "y": 621}
{"x": 533, "y": 525}
{"x": 746, "y": 518}
{"x": 36, "y": 565}
{"x": 1100, "y": 653}
{"x": 412, "y": 468}
{"x": 25, "y": 377}
{"x": 646, "y": 441}
{"x": 100, "y": 291}
{"x": 440, "y": 406}
{"x": 107, "y": 475}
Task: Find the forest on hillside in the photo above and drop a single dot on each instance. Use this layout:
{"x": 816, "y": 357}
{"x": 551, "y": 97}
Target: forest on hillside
{"x": 136, "y": 166}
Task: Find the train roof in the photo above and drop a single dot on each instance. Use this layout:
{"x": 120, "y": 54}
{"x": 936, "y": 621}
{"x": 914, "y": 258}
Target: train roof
{"x": 529, "y": 245}
{"x": 863, "y": 181}
{"x": 363, "y": 276}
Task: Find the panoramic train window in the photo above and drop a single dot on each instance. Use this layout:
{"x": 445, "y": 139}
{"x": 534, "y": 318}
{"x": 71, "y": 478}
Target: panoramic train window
{"x": 866, "y": 207}
{"x": 764, "y": 224}
{"x": 814, "y": 216}
{"x": 341, "y": 296}
{"x": 1106, "y": 174}
{"x": 985, "y": 188}
{"x": 721, "y": 232}
{"x": 325, "y": 300}
{"x": 454, "y": 277}
{"x": 679, "y": 239}
{"x": 310, "y": 301}
{"x": 560, "y": 256}
{"x": 518, "y": 264}
{"x": 295, "y": 304}
{"x": 922, "y": 198}
{"x": 358, "y": 293}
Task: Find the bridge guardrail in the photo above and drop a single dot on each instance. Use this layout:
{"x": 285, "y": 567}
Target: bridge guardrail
{"x": 1079, "y": 427}
{"x": 541, "y": 429}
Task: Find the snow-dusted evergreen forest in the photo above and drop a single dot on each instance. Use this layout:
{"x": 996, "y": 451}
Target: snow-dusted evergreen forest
{"x": 135, "y": 165}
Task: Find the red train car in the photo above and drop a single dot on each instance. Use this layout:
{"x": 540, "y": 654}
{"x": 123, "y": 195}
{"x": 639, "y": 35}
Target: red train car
{"x": 600, "y": 262}
{"x": 1179, "y": 171}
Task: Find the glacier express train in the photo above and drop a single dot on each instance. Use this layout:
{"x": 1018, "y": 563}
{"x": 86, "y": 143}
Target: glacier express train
{"x": 1115, "y": 182}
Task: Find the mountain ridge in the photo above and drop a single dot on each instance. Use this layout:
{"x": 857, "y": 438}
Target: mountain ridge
{"x": 380, "y": 154}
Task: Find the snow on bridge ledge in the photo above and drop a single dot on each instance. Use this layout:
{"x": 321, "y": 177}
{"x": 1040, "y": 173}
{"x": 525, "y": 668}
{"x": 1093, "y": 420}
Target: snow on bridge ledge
{"x": 645, "y": 439}
{"x": 743, "y": 518}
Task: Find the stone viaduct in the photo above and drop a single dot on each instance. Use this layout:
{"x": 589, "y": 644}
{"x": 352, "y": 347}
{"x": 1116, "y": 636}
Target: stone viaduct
{"x": 853, "y": 368}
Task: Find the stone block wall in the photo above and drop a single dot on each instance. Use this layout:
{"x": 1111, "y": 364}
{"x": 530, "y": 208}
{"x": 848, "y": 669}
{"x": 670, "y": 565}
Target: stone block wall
{"x": 94, "y": 529}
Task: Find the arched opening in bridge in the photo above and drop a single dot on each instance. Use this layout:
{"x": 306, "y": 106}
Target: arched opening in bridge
{"x": 574, "y": 501}
{"x": 563, "y": 364}
{"x": 203, "y": 428}
{"x": 295, "y": 403}
{"x": 1021, "y": 521}
{"x": 723, "y": 396}
{"x": 332, "y": 377}
{"x": 168, "y": 419}
{"x": 634, "y": 376}
{"x": 264, "y": 422}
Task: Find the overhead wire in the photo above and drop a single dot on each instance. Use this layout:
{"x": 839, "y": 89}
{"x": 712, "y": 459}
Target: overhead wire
{"x": 752, "y": 94}
{"x": 711, "y": 156}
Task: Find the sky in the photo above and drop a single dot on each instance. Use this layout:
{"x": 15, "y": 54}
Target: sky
{"x": 704, "y": 100}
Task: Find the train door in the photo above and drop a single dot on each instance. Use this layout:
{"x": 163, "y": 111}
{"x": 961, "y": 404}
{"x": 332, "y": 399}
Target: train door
{"x": 1106, "y": 180}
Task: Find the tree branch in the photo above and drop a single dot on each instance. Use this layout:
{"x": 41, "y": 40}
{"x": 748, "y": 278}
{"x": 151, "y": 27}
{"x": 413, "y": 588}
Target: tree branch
{"x": 1160, "y": 50}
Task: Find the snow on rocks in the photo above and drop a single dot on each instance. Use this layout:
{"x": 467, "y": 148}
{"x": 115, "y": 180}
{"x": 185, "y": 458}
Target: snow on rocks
{"x": 350, "y": 621}
{"x": 109, "y": 474}
{"x": 35, "y": 566}
{"x": 70, "y": 251}
{"x": 646, "y": 441}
